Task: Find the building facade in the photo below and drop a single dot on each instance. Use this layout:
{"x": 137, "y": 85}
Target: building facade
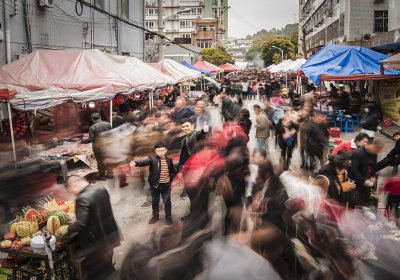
{"x": 56, "y": 25}
{"x": 367, "y": 23}
{"x": 205, "y": 34}
{"x": 179, "y": 18}
{"x": 238, "y": 48}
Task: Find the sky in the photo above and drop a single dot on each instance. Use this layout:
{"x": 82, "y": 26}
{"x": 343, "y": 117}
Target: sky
{"x": 250, "y": 16}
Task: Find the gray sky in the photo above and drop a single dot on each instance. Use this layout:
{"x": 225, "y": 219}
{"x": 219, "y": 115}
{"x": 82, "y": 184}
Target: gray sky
{"x": 249, "y": 16}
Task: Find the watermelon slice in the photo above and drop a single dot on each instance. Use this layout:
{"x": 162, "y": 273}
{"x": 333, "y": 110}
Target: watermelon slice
{"x": 30, "y": 215}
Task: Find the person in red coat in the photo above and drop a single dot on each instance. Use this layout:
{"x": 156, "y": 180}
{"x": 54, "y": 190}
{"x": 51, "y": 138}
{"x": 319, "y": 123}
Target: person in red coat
{"x": 360, "y": 140}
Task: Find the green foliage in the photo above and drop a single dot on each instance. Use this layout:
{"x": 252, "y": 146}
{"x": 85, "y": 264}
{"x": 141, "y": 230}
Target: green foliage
{"x": 252, "y": 53}
{"x": 216, "y": 56}
{"x": 271, "y": 55}
{"x": 294, "y": 38}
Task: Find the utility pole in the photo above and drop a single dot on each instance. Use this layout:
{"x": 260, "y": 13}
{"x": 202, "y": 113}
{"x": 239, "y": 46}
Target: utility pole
{"x": 160, "y": 31}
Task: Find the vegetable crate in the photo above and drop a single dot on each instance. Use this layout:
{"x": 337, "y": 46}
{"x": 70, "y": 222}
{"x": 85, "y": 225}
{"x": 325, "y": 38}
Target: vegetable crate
{"x": 62, "y": 268}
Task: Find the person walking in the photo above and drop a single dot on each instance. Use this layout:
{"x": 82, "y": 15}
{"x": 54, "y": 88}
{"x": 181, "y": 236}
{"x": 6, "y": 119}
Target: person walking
{"x": 201, "y": 115}
{"x": 369, "y": 122}
{"x": 393, "y": 157}
{"x": 95, "y": 131}
{"x": 262, "y": 129}
{"x": 161, "y": 173}
{"x": 181, "y": 111}
{"x": 95, "y": 225}
{"x": 363, "y": 170}
{"x": 244, "y": 121}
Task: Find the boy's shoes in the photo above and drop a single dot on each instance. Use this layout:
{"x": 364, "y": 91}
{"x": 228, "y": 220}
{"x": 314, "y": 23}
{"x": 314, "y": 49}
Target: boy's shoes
{"x": 169, "y": 221}
{"x": 153, "y": 220}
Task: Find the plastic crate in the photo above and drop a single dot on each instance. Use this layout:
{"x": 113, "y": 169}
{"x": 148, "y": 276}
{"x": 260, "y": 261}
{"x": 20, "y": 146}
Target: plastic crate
{"x": 62, "y": 268}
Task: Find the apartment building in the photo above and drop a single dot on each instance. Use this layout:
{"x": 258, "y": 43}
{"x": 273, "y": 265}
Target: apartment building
{"x": 367, "y": 23}
{"x": 179, "y": 17}
{"x": 57, "y": 25}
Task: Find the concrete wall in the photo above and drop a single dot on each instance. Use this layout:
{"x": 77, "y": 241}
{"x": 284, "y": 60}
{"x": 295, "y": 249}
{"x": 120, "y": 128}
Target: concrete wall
{"x": 60, "y": 27}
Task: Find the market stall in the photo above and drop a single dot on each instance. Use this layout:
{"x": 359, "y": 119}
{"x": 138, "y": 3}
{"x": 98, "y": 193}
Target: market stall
{"x": 228, "y": 68}
{"x": 202, "y": 71}
{"x": 176, "y": 70}
{"x": 345, "y": 63}
{"x": 204, "y": 65}
{"x": 32, "y": 247}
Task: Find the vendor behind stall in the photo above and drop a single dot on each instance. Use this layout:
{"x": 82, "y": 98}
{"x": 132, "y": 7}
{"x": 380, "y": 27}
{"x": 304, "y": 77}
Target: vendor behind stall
{"x": 96, "y": 227}
{"x": 95, "y": 130}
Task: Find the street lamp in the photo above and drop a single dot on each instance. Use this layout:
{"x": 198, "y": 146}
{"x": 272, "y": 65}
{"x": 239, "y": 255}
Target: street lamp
{"x": 275, "y": 47}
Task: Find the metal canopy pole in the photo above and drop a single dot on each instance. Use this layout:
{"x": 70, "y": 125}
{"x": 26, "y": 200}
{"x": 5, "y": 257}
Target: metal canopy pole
{"x": 111, "y": 109}
{"x": 11, "y": 131}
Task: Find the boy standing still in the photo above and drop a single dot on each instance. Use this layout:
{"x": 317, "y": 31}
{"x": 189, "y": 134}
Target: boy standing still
{"x": 161, "y": 172}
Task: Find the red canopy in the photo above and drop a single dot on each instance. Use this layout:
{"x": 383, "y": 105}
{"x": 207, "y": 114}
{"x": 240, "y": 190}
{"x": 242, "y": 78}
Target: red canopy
{"x": 227, "y": 68}
{"x": 207, "y": 66}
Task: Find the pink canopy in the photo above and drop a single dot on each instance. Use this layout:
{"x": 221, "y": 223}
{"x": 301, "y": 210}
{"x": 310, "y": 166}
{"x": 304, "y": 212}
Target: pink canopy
{"x": 46, "y": 78}
{"x": 228, "y": 68}
{"x": 207, "y": 66}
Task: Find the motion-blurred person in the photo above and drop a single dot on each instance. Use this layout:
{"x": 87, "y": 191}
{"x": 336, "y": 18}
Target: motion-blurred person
{"x": 331, "y": 173}
{"x": 181, "y": 111}
{"x": 262, "y": 129}
{"x": 226, "y": 107}
{"x": 363, "y": 170}
{"x": 317, "y": 140}
{"x": 244, "y": 121}
{"x": 161, "y": 173}
{"x": 120, "y": 117}
{"x": 96, "y": 227}
{"x": 392, "y": 188}
{"x": 201, "y": 115}
{"x": 188, "y": 148}
{"x": 369, "y": 122}
{"x": 393, "y": 157}
{"x": 359, "y": 141}
{"x": 286, "y": 132}
{"x": 95, "y": 131}
{"x": 160, "y": 107}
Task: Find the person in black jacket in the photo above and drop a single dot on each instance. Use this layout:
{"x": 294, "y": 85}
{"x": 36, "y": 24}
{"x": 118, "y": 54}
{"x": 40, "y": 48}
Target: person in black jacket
{"x": 95, "y": 130}
{"x": 188, "y": 148}
{"x": 161, "y": 173}
{"x": 95, "y": 225}
{"x": 363, "y": 170}
{"x": 393, "y": 157}
{"x": 369, "y": 122}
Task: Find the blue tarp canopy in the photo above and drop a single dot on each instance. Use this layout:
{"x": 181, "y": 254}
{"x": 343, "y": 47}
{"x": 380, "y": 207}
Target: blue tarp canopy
{"x": 346, "y": 62}
{"x": 195, "y": 68}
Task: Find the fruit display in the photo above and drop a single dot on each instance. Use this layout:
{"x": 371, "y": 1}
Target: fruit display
{"x": 26, "y": 241}
{"x": 53, "y": 223}
{"x": 16, "y": 245}
{"x": 24, "y": 228}
{"x": 5, "y": 244}
{"x": 62, "y": 216}
{"x": 9, "y": 236}
{"x": 32, "y": 215}
{"x": 51, "y": 205}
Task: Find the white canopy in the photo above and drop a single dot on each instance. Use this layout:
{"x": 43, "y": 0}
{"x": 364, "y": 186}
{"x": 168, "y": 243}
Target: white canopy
{"x": 176, "y": 70}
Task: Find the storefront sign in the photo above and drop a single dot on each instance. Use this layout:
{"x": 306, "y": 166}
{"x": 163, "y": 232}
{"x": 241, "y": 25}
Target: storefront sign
{"x": 389, "y": 97}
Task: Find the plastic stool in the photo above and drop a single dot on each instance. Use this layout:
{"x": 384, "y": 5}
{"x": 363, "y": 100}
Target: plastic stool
{"x": 356, "y": 118}
{"x": 348, "y": 127}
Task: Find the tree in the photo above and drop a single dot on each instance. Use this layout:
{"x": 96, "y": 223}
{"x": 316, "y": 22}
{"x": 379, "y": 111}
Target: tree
{"x": 216, "y": 56}
{"x": 294, "y": 38}
{"x": 252, "y": 53}
{"x": 272, "y": 55}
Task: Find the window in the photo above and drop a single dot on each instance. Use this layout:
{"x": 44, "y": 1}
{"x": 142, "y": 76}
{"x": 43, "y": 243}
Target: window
{"x": 151, "y": 24}
{"x": 212, "y": 27}
{"x": 125, "y": 8}
{"x": 381, "y": 21}
{"x": 215, "y": 2}
{"x": 186, "y": 35}
{"x": 151, "y": 12}
{"x": 204, "y": 43}
{"x": 202, "y": 28}
{"x": 186, "y": 24}
{"x": 190, "y": 1}
{"x": 193, "y": 12}
{"x": 99, "y": 4}
{"x": 214, "y": 12}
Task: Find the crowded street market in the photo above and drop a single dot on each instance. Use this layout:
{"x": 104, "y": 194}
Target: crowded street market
{"x": 283, "y": 172}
